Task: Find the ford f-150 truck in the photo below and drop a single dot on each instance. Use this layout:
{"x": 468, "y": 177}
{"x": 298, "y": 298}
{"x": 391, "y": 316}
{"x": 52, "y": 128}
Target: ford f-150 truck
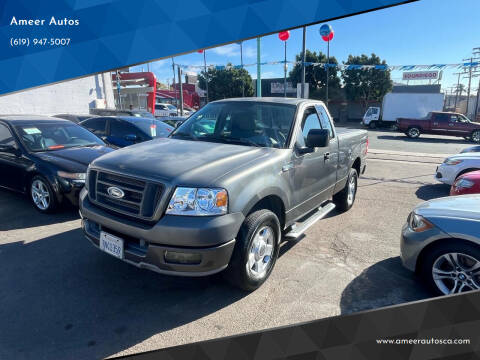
{"x": 224, "y": 189}
{"x": 441, "y": 123}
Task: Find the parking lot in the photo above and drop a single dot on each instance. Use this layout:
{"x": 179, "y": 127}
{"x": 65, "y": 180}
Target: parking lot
{"x": 62, "y": 298}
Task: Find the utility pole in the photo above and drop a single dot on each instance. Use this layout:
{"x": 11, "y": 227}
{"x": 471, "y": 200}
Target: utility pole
{"x": 259, "y": 70}
{"x": 469, "y": 84}
{"x": 303, "y": 63}
{"x": 174, "y": 88}
{"x": 181, "y": 89}
{"x": 456, "y": 91}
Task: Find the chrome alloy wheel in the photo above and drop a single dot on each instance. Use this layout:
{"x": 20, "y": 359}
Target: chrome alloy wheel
{"x": 40, "y": 194}
{"x": 352, "y": 189}
{"x": 414, "y": 132}
{"x": 260, "y": 252}
{"x": 476, "y": 136}
{"x": 456, "y": 272}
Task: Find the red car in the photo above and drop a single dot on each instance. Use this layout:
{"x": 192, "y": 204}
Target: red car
{"x": 468, "y": 183}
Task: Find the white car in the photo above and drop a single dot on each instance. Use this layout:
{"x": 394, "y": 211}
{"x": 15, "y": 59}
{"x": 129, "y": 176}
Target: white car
{"x": 165, "y": 110}
{"x": 456, "y": 165}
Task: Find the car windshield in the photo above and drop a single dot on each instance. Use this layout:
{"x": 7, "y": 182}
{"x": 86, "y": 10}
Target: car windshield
{"x": 55, "y": 136}
{"x": 240, "y": 122}
{"x": 145, "y": 114}
{"x": 153, "y": 128}
{"x": 171, "y": 107}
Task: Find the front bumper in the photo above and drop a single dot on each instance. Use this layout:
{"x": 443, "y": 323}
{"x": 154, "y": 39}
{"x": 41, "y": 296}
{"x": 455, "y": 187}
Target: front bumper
{"x": 446, "y": 174}
{"x": 412, "y": 243}
{"x": 211, "y": 238}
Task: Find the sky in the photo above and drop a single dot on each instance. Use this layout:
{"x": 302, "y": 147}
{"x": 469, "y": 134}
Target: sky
{"x": 420, "y": 33}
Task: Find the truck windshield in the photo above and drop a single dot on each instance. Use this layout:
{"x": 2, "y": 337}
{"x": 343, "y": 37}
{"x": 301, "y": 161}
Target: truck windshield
{"x": 240, "y": 122}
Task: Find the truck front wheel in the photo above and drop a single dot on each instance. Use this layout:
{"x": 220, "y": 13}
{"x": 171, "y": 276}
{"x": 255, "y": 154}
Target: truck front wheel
{"x": 256, "y": 250}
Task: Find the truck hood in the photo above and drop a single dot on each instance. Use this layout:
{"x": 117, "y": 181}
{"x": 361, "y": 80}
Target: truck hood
{"x": 183, "y": 162}
{"x": 463, "y": 206}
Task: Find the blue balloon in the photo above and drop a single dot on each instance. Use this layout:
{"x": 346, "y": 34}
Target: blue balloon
{"x": 325, "y": 30}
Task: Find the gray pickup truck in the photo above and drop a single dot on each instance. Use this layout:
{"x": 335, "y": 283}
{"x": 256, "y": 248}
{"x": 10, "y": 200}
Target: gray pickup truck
{"x": 224, "y": 189}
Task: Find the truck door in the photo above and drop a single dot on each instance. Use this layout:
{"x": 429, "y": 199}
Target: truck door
{"x": 440, "y": 124}
{"x": 312, "y": 171}
{"x": 459, "y": 125}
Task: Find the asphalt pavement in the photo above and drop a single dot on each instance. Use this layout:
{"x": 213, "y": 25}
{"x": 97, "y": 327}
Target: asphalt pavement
{"x": 62, "y": 298}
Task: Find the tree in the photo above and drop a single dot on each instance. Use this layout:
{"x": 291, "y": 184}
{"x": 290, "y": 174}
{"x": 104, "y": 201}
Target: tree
{"x": 226, "y": 83}
{"x": 366, "y": 85}
{"x": 316, "y": 76}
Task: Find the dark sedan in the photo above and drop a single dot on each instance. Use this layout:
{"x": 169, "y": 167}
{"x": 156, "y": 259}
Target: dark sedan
{"x": 471, "y": 149}
{"x": 46, "y": 158}
{"x": 76, "y": 118}
{"x": 121, "y": 131}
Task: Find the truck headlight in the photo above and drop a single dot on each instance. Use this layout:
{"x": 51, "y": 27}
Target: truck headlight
{"x": 198, "y": 202}
{"x": 418, "y": 223}
{"x": 79, "y": 177}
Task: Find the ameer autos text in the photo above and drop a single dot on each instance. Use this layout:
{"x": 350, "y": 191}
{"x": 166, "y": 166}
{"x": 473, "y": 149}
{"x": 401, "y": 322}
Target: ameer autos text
{"x": 42, "y": 22}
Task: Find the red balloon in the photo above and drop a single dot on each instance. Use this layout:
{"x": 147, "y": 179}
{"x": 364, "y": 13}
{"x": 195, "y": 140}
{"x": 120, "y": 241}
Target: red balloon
{"x": 200, "y": 51}
{"x": 284, "y": 35}
{"x": 329, "y": 37}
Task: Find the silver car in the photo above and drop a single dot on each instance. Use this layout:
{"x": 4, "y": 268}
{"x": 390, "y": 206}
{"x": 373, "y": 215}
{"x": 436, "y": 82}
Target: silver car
{"x": 441, "y": 242}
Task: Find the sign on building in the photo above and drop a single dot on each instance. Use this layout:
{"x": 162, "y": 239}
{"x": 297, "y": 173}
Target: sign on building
{"x": 422, "y": 75}
{"x": 277, "y": 88}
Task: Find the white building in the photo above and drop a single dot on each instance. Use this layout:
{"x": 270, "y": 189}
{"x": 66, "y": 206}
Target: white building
{"x": 71, "y": 97}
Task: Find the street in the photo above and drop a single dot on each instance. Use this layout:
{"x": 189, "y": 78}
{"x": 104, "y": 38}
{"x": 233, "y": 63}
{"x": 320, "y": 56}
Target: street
{"x": 63, "y": 298}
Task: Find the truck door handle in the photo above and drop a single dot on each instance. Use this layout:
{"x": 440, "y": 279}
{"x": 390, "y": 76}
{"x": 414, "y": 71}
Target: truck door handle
{"x": 326, "y": 156}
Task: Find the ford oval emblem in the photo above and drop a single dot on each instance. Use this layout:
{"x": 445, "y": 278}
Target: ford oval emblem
{"x": 115, "y": 192}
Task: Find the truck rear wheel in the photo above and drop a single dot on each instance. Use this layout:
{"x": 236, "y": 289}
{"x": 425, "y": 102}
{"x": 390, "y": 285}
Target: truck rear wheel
{"x": 256, "y": 250}
{"x": 413, "y": 132}
{"x": 344, "y": 199}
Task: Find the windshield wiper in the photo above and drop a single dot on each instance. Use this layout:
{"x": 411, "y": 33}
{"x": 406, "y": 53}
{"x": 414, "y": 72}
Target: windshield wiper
{"x": 239, "y": 141}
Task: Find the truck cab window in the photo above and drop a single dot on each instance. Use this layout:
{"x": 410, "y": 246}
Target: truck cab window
{"x": 325, "y": 120}
{"x": 310, "y": 121}
{"x": 96, "y": 126}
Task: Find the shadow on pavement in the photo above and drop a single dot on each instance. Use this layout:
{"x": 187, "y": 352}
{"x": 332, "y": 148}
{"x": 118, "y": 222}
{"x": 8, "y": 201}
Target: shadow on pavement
{"x": 63, "y": 298}
{"x": 432, "y": 191}
{"x": 17, "y": 212}
{"x": 402, "y": 137}
{"x": 382, "y": 284}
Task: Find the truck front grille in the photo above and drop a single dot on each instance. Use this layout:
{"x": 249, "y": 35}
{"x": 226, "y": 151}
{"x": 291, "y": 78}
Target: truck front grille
{"x": 140, "y": 198}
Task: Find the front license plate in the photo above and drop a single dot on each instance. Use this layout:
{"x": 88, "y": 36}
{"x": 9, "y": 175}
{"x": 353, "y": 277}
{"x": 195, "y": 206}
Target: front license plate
{"x": 111, "y": 244}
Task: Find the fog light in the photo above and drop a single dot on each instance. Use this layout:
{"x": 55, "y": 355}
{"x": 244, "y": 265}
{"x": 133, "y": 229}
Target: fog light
{"x": 175, "y": 257}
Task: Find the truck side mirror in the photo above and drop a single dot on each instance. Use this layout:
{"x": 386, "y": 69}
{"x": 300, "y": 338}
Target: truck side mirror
{"x": 318, "y": 138}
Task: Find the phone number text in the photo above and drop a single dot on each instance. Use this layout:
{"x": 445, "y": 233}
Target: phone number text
{"x": 18, "y": 42}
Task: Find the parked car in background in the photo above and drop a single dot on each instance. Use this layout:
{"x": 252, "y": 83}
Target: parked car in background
{"x": 468, "y": 183}
{"x": 123, "y": 112}
{"x": 121, "y": 131}
{"x": 441, "y": 123}
{"x": 165, "y": 110}
{"x": 471, "y": 149}
{"x": 456, "y": 165}
{"x": 402, "y": 105}
{"x": 223, "y": 190}
{"x": 174, "y": 121}
{"x": 441, "y": 242}
{"x": 76, "y": 118}
{"x": 46, "y": 158}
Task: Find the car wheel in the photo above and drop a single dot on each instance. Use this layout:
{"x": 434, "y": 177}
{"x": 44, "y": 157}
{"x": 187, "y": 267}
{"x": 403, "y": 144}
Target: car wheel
{"x": 413, "y": 132}
{"x": 452, "y": 268}
{"x": 256, "y": 250}
{"x": 394, "y": 127}
{"x": 42, "y": 195}
{"x": 344, "y": 199}
{"x": 476, "y": 136}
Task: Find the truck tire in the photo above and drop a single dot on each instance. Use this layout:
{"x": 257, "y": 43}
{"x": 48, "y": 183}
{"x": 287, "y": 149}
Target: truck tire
{"x": 256, "y": 250}
{"x": 372, "y": 125}
{"x": 476, "y": 136}
{"x": 453, "y": 259}
{"x": 344, "y": 199}
{"x": 413, "y": 132}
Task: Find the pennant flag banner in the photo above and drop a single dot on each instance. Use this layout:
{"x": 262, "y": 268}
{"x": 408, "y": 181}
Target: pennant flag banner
{"x": 343, "y": 67}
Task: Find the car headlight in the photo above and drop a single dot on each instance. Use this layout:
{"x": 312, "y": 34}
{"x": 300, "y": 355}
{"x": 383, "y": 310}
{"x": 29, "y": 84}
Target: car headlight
{"x": 464, "y": 184}
{"x": 80, "y": 177}
{"x": 452, "y": 161}
{"x": 198, "y": 202}
{"x": 418, "y": 223}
